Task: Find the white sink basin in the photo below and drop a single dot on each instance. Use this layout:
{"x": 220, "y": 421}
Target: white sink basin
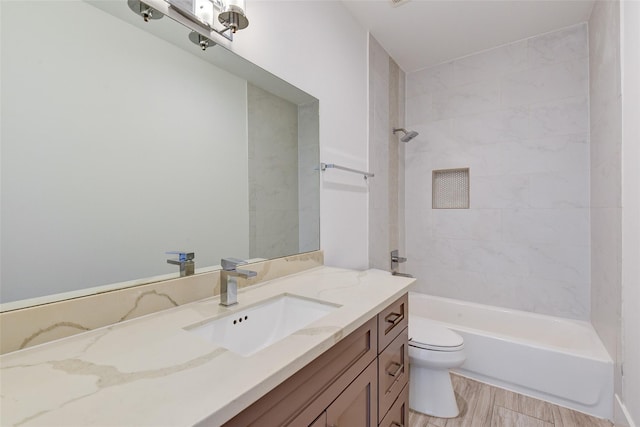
{"x": 248, "y": 331}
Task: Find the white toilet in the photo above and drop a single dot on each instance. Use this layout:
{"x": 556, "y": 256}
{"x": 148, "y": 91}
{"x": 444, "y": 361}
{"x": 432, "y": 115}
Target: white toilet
{"x": 433, "y": 350}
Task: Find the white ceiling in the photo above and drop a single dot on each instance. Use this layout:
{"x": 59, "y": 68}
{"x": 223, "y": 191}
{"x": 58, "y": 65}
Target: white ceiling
{"x": 421, "y": 33}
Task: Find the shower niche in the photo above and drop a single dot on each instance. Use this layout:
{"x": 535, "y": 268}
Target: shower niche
{"x": 450, "y": 189}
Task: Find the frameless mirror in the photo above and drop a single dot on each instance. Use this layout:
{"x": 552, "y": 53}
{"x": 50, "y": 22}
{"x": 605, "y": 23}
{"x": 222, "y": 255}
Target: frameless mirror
{"x": 123, "y": 140}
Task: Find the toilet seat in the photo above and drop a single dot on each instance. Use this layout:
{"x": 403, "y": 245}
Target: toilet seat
{"x": 434, "y": 347}
{"x": 429, "y": 335}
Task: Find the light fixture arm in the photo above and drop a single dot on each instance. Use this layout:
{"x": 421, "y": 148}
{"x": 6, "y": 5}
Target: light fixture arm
{"x": 226, "y": 33}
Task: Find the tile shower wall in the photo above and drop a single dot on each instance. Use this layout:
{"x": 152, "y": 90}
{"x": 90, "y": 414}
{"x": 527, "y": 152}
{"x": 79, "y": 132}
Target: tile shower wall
{"x": 308, "y": 183}
{"x": 606, "y": 179}
{"x": 517, "y": 116}
{"x": 606, "y": 169}
{"x": 273, "y": 180}
{"x": 386, "y": 157}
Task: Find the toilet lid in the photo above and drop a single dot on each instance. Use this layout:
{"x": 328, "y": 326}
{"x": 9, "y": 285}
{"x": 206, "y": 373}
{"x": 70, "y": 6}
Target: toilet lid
{"x": 427, "y": 334}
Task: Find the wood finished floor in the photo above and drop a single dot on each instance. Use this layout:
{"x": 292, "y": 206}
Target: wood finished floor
{"x": 482, "y": 405}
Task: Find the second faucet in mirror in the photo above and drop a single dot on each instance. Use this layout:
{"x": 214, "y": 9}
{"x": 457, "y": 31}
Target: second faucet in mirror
{"x": 184, "y": 261}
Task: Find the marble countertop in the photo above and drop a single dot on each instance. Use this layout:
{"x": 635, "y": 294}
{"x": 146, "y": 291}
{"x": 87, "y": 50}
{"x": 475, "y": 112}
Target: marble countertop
{"x": 151, "y": 371}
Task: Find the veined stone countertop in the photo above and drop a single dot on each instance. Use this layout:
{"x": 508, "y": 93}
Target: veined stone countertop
{"x": 150, "y": 371}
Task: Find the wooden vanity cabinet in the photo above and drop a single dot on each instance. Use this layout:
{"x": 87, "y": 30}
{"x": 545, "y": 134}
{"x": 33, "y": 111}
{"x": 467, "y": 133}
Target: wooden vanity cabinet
{"x": 393, "y": 373}
{"x": 393, "y": 364}
{"x": 392, "y": 320}
{"x": 356, "y": 405}
{"x": 350, "y": 385}
{"x": 321, "y": 421}
{"x": 398, "y": 415}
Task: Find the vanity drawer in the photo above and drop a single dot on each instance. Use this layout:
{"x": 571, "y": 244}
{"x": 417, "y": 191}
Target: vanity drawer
{"x": 393, "y": 372}
{"x": 398, "y": 415}
{"x": 392, "y": 320}
{"x": 300, "y": 399}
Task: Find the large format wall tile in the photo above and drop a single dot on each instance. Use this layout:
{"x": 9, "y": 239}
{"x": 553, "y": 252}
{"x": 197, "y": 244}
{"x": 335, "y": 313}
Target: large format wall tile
{"x": 518, "y": 117}
{"x": 556, "y": 81}
{"x": 471, "y": 98}
{"x": 559, "y": 46}
{"x": 386, "y": 111}
{"x": 560, "y": 117}
{"x": 606, "y": 175}
{"x": 493, "y": 63}
{"x": 492, "y": 127}
{"x": 546, "y": 226}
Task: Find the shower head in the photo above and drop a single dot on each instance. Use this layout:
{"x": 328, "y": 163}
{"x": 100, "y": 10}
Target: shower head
{"x": 408, "y": 135}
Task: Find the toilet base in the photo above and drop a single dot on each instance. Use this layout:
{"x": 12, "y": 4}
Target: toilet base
{"x": 431, "y": 392}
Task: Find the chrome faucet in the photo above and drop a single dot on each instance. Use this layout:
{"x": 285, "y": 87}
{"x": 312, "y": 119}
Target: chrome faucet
{"x": 229, "y": 280}
{"x": 395, "y": 260}
{"x": 185, "y": 261}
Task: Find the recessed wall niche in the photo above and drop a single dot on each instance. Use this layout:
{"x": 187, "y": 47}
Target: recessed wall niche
{"x": 450, "y": 189}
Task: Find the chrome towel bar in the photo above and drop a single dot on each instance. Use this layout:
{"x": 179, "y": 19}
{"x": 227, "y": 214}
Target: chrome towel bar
{"x": 325, "y": 166}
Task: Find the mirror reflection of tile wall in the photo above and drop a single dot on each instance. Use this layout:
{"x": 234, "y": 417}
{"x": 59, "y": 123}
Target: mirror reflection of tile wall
{"x": 283, "y": 202}
{"x": 308, "y": 179}
{"x": 273, "y": 174}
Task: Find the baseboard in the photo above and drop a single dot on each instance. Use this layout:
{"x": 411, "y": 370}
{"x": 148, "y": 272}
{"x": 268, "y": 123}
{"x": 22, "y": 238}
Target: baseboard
{"x": 621, "y": 416}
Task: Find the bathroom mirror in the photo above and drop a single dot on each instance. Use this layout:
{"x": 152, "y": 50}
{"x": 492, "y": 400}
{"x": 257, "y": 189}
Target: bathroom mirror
{"x": 122, "y": 140}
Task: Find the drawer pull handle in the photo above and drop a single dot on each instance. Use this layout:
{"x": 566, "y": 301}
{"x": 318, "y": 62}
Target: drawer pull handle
{"x": 396, "y": 375}
{"x": 400, "y": 368}
{"x": 394, "y": 318}
{"x": 395, "y": 424}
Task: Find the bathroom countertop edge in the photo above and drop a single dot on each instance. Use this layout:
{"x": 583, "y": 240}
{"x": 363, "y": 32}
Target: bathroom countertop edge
{"x": 151, "y": 371}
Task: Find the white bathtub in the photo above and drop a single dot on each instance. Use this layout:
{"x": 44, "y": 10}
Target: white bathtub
{"x": 554, "y": 359}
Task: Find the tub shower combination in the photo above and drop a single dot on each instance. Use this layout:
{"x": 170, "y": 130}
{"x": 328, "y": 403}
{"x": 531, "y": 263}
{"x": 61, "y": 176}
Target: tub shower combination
{"x": 550, "y": 358}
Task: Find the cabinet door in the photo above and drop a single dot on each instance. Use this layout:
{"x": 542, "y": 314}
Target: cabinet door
{"x": 298, "y": 401}
{"x": 357, "y": 405}
{"x": 392, "y": 372}
{"x": 321, "y": 421}
{"x": 398, "y": 415}
{"x": 392, "y": 320}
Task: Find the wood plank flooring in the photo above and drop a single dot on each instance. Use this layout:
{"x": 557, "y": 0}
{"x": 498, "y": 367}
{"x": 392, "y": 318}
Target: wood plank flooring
{"x": 482, "y": 405}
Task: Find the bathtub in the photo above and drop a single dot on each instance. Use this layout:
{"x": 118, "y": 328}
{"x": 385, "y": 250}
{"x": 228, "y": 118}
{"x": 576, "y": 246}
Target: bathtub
{"x": 558, "y": 360}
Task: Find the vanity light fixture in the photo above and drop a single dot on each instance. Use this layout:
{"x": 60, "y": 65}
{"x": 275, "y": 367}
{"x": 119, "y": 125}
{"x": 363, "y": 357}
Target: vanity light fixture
{"x": 201, "y": 40}
{"x": 143, "y": 10}
{"x": 229, "y": 13}
{"x": 232, "y": 15}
